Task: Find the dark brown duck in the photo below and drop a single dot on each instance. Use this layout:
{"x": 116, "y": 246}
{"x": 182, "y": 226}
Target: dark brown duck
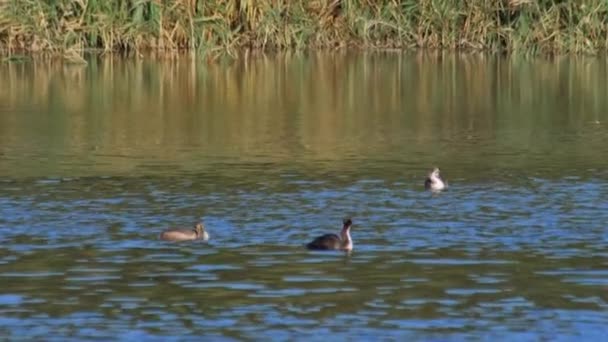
{"x": 333, "y": 241}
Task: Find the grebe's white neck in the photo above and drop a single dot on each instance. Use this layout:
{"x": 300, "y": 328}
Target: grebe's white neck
{"x": 437, "y": 182}
{"x": 347, "y": 242}
{"x": 434, "y": 176}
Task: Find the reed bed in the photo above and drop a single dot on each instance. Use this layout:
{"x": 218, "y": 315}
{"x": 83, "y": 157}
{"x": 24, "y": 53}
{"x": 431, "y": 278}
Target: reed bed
{"x": 203, "y": 26}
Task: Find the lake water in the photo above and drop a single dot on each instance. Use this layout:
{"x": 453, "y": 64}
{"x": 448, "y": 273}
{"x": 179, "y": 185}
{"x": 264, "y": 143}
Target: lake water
{"x": 272, "y": 151}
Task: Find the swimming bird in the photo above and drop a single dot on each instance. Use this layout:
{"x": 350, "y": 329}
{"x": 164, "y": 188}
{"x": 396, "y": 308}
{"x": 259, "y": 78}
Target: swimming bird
{"x": 434, "y": 182}
{"x": 197, "y": 233}
{"x": 333, "y": 241}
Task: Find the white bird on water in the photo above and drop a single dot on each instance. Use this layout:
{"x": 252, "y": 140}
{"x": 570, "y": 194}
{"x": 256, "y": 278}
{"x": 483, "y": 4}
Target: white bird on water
{"x": 434, "y": 182}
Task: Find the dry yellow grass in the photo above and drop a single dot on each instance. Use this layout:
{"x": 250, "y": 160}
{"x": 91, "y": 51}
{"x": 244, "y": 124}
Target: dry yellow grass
{"x": 229, "y": 25}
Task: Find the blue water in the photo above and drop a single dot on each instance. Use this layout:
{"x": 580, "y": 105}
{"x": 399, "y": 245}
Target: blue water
{"x": 515, "y": 249}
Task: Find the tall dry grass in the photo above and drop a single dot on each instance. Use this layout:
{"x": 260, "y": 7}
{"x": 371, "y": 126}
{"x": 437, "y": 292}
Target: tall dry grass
{"x": 537, "y": 26}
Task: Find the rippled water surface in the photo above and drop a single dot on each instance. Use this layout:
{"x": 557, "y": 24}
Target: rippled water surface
{"x": 273, "y": 151}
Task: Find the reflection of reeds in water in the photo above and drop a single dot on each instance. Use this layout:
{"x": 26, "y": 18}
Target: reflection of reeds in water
{"x": 292, "y": 106}
{"x": 207, "y": 26}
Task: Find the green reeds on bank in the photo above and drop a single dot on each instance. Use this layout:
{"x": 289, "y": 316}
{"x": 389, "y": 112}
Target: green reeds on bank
{"x": 529, "y": 26}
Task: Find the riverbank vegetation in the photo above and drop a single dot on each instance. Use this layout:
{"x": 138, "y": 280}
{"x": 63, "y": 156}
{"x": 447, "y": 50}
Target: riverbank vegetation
{"x": 528, "y": 26}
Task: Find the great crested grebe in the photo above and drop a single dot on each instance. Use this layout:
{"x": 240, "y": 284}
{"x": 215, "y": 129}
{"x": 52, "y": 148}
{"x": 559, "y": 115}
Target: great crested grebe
{"x": 196, "y": 233}
{"x": 333, "y": 241}
{"x": 434, "y": 181}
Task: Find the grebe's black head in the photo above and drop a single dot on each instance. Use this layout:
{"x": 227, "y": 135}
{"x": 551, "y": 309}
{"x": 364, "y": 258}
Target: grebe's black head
{"x": 347, "y": 222}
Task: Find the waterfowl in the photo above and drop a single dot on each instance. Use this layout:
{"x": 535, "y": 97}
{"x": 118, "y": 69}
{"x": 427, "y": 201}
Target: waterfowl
{"x": 434, "y": 182}
{"x": 197, "y": 233}
{"x": 333, "y": 241}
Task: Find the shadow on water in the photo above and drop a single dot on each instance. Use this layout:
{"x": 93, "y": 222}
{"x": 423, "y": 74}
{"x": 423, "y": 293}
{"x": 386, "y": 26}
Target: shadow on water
{"x": 273, "y": 151}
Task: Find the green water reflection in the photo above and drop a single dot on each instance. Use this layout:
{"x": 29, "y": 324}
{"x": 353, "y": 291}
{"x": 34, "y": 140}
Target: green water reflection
{"x": 469, "y": 112}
